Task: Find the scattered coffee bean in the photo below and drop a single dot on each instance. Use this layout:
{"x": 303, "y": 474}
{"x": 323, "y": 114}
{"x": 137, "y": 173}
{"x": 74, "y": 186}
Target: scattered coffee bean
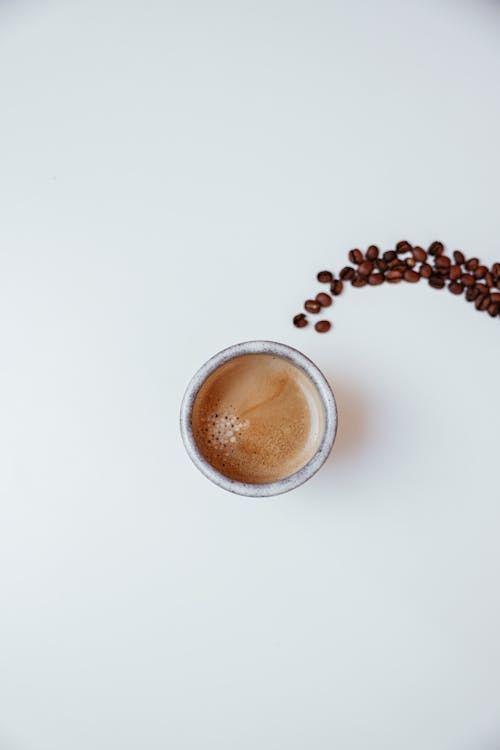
{"x": 403, "y": 247}
{"x": 479, "y": 300}
{"x": 324, "y": 299}
{"x": 312, "y": 306}
{"x": 436, "y": 248}
{"x": 468, "y": 279}
{"x": 411, "y": 276}
{"x": 347, "y": 273}
{"x": 425, "y": 271}
{"x": 419, "y": 254}
{"x": 325, "y": 277}
{"x": 471, "y": 294}
{"x": 436, "y": 282}
{"x": 300, "y": 320}
{"x": 484, "y": 303}
{"x": 442, "y": 261}
{"x": 482, "y": 289}
{"x": 393, "y": 277}
{"x": 488, "y": 279}
{"x": 336, "y": 287}
{"x": 472, "y": 264}
{"x": 480, "y": 284}
{"x": 381, "y": 264}
{"x": 480, "y": 272}
{"x": 356, "y": 256}
{"x": 366, "y": 268}
{"x": 322, "y": 326}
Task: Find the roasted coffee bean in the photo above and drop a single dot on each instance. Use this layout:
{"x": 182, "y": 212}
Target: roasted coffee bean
{"x": 356, "y": 256}
{"x": 324, "y": 299}
{"x": 337, "y": 287}
{"x": 394, "y": 276}
{"x": 455, "y": 287}
{"x": 436, "y": 282}
{"x": 312, "y": 306}
{"x": 468, "y": 279}
{"x": 372, "y": 252}
{"x": 300, "y": 320}
{"x": 425, "y": 271}
{"x": 411, "y": 276}
{"x": 366, "y": 268}
{"x": 480, "y": 272}
{"x": 441, "y": 272}
{"x": 471, "y": 294}
{"x": 381, "y": 264}
{"x": 472, "y": 264}
{"x": 485, "y": 303}
{"x": 419, "y": 254}
{"x": 480, "y": 284}
{"x": 325, "y": 277}
{"x": 436, "y": 248}
{"x": 322, "y": 326}
{"x": 403, "y": 247}
{"x": 442, "y": 262}
{"x": 347, "y": 273}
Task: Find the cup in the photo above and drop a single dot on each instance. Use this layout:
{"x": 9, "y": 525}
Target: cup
{"x": 327, "y": 425}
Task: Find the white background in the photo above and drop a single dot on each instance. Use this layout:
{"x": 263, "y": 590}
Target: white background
{"x": 172, "y": 177}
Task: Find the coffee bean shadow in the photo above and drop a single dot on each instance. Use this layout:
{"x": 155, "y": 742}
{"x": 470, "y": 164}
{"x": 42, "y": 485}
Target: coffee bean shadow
{"x": 352, "y": 411}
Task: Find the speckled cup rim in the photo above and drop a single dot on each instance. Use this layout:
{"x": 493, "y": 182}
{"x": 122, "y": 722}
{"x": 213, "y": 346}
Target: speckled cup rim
{"x": 324, "y": 392}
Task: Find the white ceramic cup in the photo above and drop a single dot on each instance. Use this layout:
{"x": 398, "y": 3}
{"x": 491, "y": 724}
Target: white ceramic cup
{"x": 329, "y": 423}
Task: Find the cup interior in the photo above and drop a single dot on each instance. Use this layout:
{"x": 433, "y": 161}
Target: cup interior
{"x": 258, "y": 425}
{"x": 258, "y": 418}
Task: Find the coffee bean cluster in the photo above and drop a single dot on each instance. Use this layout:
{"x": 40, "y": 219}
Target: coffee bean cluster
{"x": 478, "y": 283}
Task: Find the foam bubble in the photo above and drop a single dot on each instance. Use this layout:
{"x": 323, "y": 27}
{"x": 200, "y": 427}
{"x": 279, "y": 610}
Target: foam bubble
{"x": 223, "y": 428}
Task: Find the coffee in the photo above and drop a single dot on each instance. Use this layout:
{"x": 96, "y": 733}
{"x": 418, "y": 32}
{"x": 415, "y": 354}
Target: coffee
{"x": 257, "y": 419}
{"x": 480, "y": 283}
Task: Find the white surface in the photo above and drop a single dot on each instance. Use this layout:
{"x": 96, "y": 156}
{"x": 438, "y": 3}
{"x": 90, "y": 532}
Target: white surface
{"x": 172, "y": 176}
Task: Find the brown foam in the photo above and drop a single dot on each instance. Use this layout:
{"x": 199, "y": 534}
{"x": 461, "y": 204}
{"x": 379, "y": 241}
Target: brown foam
{"x": 257, "y": 418}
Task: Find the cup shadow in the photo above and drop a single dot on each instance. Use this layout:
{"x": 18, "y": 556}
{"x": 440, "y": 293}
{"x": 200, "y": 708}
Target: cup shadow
{"x": 352, "y": 412}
